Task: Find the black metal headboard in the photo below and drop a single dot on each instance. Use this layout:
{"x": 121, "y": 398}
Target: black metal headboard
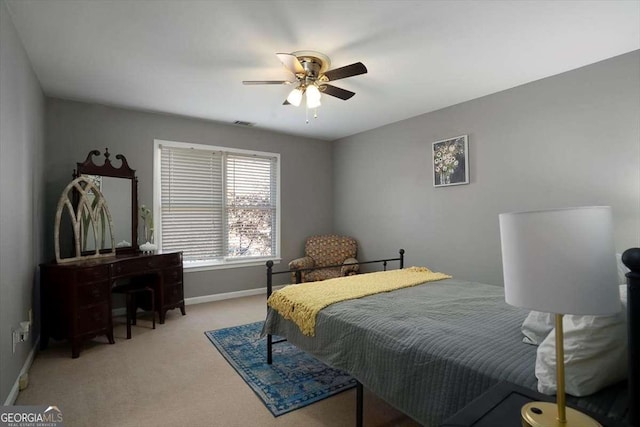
{"x": 631, "y": 258}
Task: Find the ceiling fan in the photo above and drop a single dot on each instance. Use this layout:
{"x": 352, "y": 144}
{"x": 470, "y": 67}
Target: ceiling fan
{"x": 312, "y": 74}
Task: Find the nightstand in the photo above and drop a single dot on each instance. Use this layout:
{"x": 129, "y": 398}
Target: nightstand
{"x": 500, "y": 407}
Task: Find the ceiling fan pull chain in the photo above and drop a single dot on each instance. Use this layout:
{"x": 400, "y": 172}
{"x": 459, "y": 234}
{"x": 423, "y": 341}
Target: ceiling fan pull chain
{"x": 306, "y": 112}
{"x": 315, "y": 113}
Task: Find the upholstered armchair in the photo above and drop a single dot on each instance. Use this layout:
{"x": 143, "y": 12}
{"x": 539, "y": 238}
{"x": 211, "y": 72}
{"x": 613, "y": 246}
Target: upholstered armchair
{"x": 321, "y": 251}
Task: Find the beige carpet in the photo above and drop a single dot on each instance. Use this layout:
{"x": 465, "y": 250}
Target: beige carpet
{"x": 173, "y": 376}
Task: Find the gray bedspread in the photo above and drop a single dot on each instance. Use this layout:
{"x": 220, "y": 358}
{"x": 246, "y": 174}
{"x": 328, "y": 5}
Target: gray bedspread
{"x": 429, "y": 350}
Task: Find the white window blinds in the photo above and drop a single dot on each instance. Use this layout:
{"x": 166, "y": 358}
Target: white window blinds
{"x": 217, "y": 205}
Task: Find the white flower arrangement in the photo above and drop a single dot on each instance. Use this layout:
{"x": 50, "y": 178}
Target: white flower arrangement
{"x": 147, "y": 222}
{"x": 445, "y": 160}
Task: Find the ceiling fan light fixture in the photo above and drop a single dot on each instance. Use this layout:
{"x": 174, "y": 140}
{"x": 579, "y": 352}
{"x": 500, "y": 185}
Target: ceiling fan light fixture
{"x": 313, "y": 96}
{"x": 295, "y": 97}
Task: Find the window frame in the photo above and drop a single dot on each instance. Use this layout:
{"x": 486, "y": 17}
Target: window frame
{"x": 222, "y": 263}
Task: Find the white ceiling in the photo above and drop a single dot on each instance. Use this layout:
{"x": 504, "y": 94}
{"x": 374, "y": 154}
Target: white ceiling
{"x": 189, "y": 57}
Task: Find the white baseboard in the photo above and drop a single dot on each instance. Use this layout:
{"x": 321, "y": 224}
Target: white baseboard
{"x": 15, "y": 390}
{"x": 229, "y": 295}
{"x": 213, "y": 297}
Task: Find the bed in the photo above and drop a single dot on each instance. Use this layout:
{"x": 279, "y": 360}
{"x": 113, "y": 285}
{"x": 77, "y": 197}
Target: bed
{"x": 428, "y": 350}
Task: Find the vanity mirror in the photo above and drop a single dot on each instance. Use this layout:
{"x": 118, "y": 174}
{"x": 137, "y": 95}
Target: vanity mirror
{"x": 119, "y": 186}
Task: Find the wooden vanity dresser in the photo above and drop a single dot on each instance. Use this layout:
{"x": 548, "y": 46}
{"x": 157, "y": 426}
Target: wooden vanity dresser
{"x": 76, "y": 297}
{"x": 75, "y": 291}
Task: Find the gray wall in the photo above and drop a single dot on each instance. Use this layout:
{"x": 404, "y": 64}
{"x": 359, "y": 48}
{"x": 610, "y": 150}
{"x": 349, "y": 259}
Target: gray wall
{"x": 75, "y": 128}
{"x": 21, "y": 196}
{"x": 568, "y": 140}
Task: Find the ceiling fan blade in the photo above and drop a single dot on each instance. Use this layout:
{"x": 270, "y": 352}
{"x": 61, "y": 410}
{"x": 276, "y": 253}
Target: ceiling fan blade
{"x": 286, "y": 102}
{"x": 337, "y": 92}
{"x": 290, "y": 62}
{"x": 346, "y": 71}
{"x": 266, "y": 82}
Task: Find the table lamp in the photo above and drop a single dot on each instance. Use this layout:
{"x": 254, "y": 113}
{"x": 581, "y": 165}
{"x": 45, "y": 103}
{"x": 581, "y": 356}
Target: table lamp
{"x": 560, "y": 261}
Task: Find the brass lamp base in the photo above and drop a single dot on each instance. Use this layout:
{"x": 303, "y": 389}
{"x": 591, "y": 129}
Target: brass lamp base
{"x": 545, "y": 414}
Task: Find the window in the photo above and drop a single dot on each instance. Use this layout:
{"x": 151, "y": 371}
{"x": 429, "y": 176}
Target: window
{"x": 219, "y": 206}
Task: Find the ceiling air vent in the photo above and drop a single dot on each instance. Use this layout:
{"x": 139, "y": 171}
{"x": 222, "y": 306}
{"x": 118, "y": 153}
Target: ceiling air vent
{"x": 242, "y": 123}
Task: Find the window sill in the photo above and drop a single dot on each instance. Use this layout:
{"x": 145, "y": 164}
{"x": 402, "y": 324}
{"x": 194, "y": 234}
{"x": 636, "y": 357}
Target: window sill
{"x": 229, "y": 264}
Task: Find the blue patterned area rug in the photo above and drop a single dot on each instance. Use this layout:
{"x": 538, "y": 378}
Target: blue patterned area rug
{"x": 294, "y": 380}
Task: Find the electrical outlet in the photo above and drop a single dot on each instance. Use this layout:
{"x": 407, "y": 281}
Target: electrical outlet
{"x": 15, "y": 339}
{"x": 21, "y": 334}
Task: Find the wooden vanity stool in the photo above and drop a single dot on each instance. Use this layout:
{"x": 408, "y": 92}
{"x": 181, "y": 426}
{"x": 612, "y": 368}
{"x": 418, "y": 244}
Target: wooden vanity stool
{"x": 131, "y": 292}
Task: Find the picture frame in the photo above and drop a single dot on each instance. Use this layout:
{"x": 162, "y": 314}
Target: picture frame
{"x": 450, "y": 161}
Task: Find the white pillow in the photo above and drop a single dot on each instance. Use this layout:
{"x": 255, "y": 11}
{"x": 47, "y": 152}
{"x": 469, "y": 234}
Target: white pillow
{"x": 595, "y": 353}
{"x": 537, "y": 326}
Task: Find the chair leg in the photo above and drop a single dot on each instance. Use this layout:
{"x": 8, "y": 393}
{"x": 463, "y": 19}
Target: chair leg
{"x": 134, "y": 308}
{"x": 153, "y": 306}
{"x": 129, "y": 305}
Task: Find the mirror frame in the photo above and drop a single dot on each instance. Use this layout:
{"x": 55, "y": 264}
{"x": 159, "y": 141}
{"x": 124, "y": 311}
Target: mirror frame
{"x": 88, "y": 167}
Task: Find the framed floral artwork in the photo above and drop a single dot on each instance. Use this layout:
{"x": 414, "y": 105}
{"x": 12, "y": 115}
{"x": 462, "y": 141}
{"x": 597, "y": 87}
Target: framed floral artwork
{"x": 450, "y": 161}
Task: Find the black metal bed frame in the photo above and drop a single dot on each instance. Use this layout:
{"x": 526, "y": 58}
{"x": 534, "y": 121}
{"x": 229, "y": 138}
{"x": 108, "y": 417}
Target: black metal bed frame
{"x": 631, "y": 258}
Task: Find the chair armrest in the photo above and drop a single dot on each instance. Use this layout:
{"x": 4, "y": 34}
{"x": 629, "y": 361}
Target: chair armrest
{"x": 299, "y": 263}
{"x": 349, "y": 267}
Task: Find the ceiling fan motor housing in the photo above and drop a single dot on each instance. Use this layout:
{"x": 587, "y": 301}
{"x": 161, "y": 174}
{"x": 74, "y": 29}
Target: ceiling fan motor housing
{"x": 312, "y": 57}
{"x": 314, "y": 64}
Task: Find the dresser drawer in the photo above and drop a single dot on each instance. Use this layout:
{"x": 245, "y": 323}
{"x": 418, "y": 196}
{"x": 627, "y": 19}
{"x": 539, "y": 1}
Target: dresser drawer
{"x": 132, "y": 266}
{"x": 92, "y": 274}
{"x": 172, "y": 275}
{"x": 93, "y": 293}
{"x": 173, "y": 294}
{"x": 93, "y": 318}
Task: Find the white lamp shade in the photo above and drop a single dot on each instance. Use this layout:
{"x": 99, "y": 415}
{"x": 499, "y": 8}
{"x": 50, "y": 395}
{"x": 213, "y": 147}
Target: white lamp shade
{"x": 295, "y": 97}
{"x": 560, "y": 261}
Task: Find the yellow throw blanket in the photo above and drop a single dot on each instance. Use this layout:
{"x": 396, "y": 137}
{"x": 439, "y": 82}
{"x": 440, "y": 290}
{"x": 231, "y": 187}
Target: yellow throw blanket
{"x": 301, "y": 303}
